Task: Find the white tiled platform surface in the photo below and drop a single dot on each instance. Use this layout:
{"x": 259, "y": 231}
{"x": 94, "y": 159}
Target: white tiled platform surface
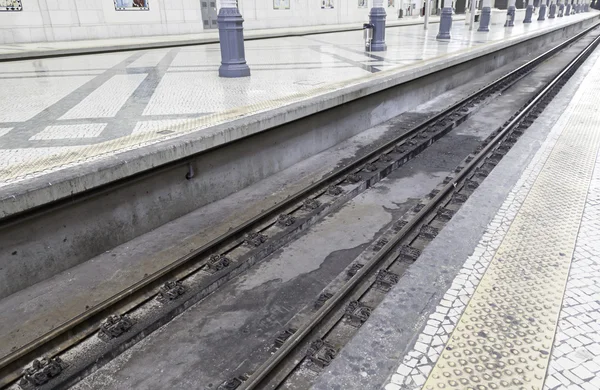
{"x": 30, "y": 50}
{"x": 140, "y": 98}
{"x": 574, "y": 360}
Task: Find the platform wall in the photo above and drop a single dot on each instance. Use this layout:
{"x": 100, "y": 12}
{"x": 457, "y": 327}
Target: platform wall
{"x": 66, "y": 20}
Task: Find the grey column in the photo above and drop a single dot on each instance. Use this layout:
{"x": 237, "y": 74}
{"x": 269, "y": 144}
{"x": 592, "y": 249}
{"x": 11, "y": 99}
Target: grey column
{"x": 427, "y": 14}
{"x": 552, "y": 12}
{"x": 586, "y": 7}
{"x": 561, "y": 9}
{"x": 568, "y": 8}
{"x": 231, "y": 40}
{"x": 377, "y": 19}
{"x": 528, "y": 11}
{"x": 486, "y": 16}
{"x": 510, "y": 14}
{"x": 445, "y": 21}
{"x": 542, "y": 13}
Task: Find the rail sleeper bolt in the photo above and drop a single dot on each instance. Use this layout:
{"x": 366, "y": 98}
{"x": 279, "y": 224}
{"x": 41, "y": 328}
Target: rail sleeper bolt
{"x": 496, "y": 157}
{"x": 445, "y": 214}
{"x": 399, "y": 225}
{"x": 255, "y": 239}
{"x": 41, "y": 371}
{"x": 512, "y": 139}
{"x": 481, "y": 172}
{"x": 432, "y": 129}
{"x": 286, "y": 220}
{"x": 357, "y": 313}
{"x": 385, "y": 158}
{"x": 114, "y": 326}
{"x": 217, "y": 262}
{"x": 471, "y": 184}
{"x": 311, "y": 204}
{"x": 321, "y": 353}
{"x": 400, "y": 148}
{"x": 232, "y": 384}
{"x": 386, "y": 280}
{"x": 283, "y": 336}
{"x": 353, "y": 178}
{"x": 459, "y": 198}
{"x": 324, "y": 297}
{"x": 409, "y": 253}
{"x": 171, "y": 290}
{"x": 354, "y": 269}
{"x": 370, "y": 167}
{"x": 334, "y": 190}
{"x": 521, "y": 129}
{"x": 428, "y": 232}
{"x": 380, "y": 244}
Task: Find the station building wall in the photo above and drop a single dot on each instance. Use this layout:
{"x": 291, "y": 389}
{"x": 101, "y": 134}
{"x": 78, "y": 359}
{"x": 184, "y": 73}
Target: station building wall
{"x": 23, "y": 21}
{"x": 65, "y": 20}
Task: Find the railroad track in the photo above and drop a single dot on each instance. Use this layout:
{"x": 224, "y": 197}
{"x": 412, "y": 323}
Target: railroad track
{"x": 314, "y": 343}
{"x": 117, "y": 323}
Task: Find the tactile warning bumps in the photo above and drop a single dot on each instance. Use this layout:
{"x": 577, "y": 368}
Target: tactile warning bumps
{"x": 504, "y": 338}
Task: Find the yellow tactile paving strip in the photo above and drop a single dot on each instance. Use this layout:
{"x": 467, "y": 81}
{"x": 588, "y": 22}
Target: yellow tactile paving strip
{"x": 504, "y": 338}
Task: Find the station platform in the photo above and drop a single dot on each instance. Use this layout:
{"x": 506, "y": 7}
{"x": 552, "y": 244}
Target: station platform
{"x": 76, "y": 123}
{"x": 486, "y": 295}
{"x": 506, "y": 296}
{"x": 23, "y": 51}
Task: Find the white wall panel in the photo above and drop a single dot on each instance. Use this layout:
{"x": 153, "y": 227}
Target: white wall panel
{"x": 58, "y": 20}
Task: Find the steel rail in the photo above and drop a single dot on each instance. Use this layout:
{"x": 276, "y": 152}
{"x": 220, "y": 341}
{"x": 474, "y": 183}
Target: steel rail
{"x": 243, "y": 228}
{"x": 295, "y": 339}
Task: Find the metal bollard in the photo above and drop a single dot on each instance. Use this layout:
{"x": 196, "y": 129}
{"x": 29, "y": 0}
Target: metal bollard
{"x": 368, "y": 35}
